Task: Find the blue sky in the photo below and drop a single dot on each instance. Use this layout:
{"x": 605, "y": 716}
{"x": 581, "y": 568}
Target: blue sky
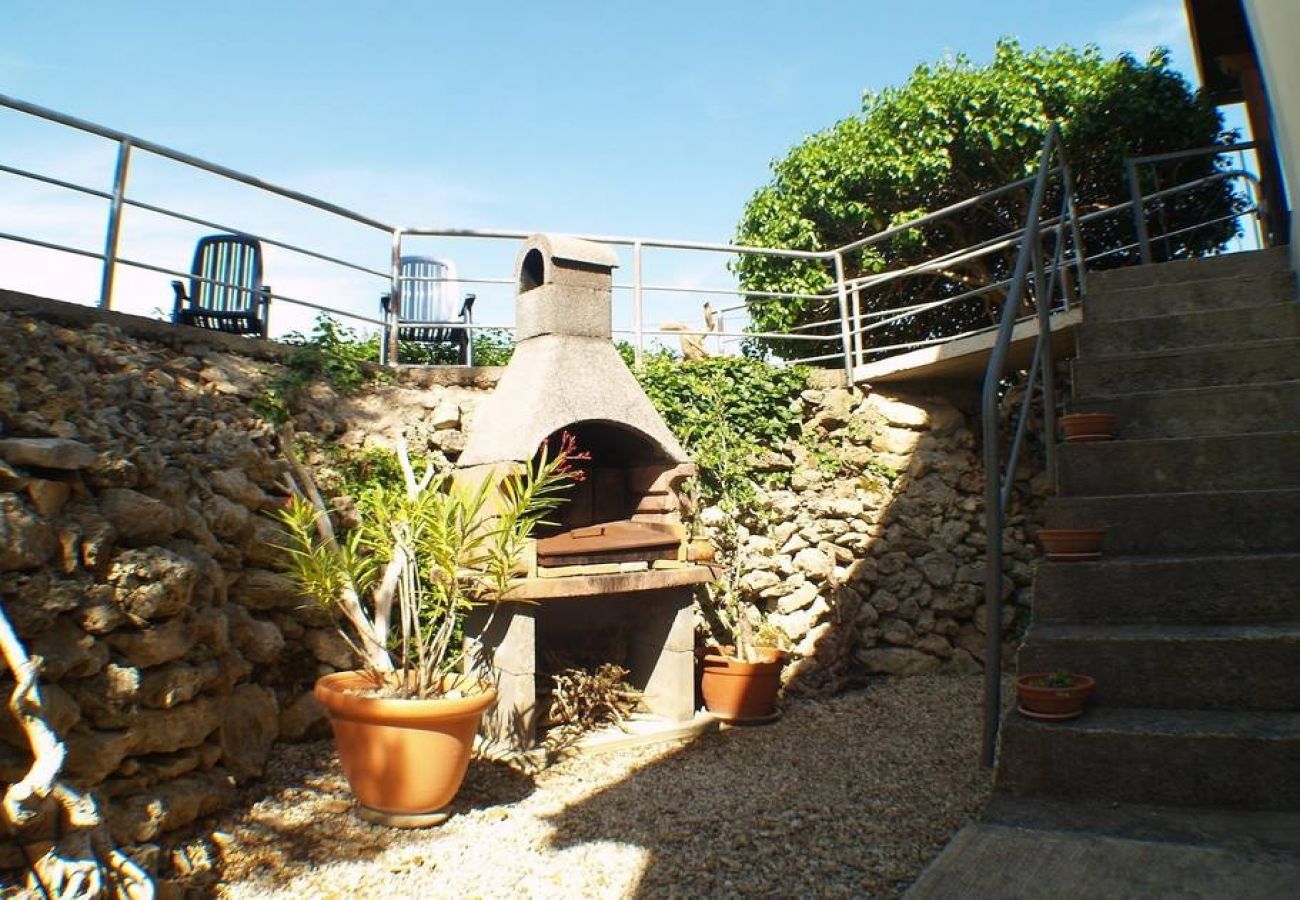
{"x": 618, "y": 118}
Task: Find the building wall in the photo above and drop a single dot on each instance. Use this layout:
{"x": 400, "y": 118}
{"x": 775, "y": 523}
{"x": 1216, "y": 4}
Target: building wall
{"x": 1275, "y": 27}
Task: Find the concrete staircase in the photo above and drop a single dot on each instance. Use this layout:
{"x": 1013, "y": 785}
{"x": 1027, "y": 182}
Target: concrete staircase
{"x": 1183, "y": 777}
{"x": 1191, "y": 621}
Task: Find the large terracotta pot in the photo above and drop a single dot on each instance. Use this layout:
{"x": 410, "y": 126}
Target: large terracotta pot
{"x": 1047, "y": 702}
{"x": 741, "y": 691}
{"x": 402, "y": 757}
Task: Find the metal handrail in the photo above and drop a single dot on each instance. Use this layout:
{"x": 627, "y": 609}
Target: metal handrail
{"x": 119, "y": 201}
{"x": 1137, "y": 200}
{"x": 997, "y": 483}
{"x": 849, "y": 320}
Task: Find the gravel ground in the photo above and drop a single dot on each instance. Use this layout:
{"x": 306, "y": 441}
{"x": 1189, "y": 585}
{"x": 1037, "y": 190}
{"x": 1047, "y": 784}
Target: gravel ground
{"x": 845, "y": 797}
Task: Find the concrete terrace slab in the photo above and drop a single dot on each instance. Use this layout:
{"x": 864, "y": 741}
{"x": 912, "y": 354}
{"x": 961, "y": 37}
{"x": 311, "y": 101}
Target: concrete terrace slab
{"x": 965, "y": 359}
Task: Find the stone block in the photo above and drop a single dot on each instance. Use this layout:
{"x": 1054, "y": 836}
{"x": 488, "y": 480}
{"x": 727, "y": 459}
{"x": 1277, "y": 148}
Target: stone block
{"x": 328, "y": 646}
{"x": 48, "y": 497}
{"x": 68, "y": 652}
{"x": 509, "y": 724}
{"x": 27, "y": 540}
{"x": 168, "y": 806}
{"x": 237, "y": 486}
{"x": 154, "y": 646}
{"x": 670, "y": 688}
{"x": 154, "y": 583}
{"x": 249, "y": 726}
{"x": 138, "y": 519}
{"x": 257, "y": 639}
{"x": 262, "y": 589}
{"x": 302, "y": 718}
{"x": 47, "y": 453}
{"x": 225, "y": 518}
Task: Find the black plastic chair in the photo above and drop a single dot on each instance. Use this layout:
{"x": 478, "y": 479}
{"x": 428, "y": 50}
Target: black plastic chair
{"x": 428, "y": 289}
{"x": 226, "y": 290}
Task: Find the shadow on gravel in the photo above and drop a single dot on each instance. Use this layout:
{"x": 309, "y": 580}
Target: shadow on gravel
{"x": 847, "y": 797}
{"x": 302, "y": 815}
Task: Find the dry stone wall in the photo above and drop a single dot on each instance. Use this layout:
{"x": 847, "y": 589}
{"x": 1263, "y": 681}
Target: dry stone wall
{"x": 872, "y": 560}
{"x": 138, "y": 551}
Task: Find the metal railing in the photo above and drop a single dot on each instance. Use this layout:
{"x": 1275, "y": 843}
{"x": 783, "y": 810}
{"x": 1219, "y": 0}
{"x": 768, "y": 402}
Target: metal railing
{"x": 1032, "y": 277}
{"x": 1139, "y": 201}
{"x": 119, "y": 199}
{"x": 850, "y": 334}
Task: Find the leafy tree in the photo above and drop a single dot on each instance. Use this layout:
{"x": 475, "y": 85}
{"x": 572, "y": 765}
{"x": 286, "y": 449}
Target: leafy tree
{"x": 956, "y": 130}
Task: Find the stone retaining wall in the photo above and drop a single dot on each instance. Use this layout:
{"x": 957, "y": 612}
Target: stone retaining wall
{"x": 137, "y": 549}
{"x": 872, "y": 560}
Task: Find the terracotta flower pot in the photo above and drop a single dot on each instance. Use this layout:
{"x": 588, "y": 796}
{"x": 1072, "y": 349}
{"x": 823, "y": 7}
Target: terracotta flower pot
{"x": 741, "y": 691}
{"x": 1093, "y": 426}
{"x": 1053, "y": 703}
{"x": 402, "y": 757}
{"x": 1071, "y": 543}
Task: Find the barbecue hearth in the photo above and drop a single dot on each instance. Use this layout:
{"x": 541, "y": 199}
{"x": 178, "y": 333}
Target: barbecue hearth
{"x": 617, "y": 556}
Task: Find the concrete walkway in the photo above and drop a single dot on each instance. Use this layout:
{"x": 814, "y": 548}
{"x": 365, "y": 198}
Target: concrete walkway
{"x": 1051, "y": 849}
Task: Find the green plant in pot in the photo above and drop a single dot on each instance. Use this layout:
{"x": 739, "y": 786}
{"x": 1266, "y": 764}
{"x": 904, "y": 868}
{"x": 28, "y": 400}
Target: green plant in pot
{"x": 740, "y": 675}
{"x": 400, "y": 583}
{"x": 1054, "y": 696}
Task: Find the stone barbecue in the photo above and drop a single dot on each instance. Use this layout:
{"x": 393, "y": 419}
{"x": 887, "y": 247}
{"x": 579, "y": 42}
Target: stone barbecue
{"x": 611, "y": 581}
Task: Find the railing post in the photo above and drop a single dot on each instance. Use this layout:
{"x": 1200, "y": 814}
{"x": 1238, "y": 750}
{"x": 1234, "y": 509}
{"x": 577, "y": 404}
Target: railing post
{"x": 394, "y": 301}
{"x": 638, "y": 314}
{"x": 992, "y": 570}
{"x": 859, "y": 354}
{"x": 114, "y": 223}
{"x": 1045, "y": 340}
{"x": 1139, "y": 209}
{"x": 846, "y": 339}
{"x": 1076, "y": 235}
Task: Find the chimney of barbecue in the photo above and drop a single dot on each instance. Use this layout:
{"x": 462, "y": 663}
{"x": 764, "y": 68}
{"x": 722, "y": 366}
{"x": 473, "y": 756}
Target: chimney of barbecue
{"x": 565, "y": 369}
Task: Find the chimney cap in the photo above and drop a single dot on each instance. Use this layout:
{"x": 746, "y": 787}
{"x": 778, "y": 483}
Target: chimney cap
{"x": 542, "y": 254}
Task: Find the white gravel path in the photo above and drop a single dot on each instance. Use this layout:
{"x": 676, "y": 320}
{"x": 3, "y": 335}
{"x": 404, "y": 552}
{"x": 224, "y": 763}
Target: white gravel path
{"x": 845, "y": 797}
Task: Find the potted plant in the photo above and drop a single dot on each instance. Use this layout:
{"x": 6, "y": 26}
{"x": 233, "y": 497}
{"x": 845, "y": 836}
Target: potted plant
{"x": 1055, "y": 697}
{"x": 401, "y": 582}
{"x": 1071, "y": 544}
{"x": 1088, "y": 426}
{"x": 740, "y": 680}
{"x": 740, "y": 667}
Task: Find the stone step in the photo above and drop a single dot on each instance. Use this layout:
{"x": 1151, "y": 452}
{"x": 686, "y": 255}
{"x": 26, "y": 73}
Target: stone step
{"x": 1197, "y": 412}
{"x": 1030, "y": 847}
{"x": 1175, "y": 667}
{"x": 1176, "y": 465}
{"x": 1176, "y": 590}
{"x": 1186, "y": 523}
{"x": 1239, "y": 292}
{"x": 1259, "y": 833}
{"x": 1188, "y": 329}
{"x": 1228, "y": 265}
{"x": 1255, "y": 362}
{"x": 1233, "y": 759}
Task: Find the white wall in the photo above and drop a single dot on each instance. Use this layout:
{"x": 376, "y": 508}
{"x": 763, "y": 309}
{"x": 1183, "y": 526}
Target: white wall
{"x": 1275, "y": 26}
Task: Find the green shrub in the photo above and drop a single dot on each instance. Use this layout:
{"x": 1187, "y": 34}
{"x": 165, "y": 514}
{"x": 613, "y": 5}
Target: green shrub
{"x": 727, "y": 412}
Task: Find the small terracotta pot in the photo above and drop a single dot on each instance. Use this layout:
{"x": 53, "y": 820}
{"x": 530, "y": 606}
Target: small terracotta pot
{"x": 1093, "y": 426}
{"x": 737, "y": 691}
{"x": 401, "y": 756}
{"x": 1038, "y": 700}
{"x": 1071, "y": 543}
